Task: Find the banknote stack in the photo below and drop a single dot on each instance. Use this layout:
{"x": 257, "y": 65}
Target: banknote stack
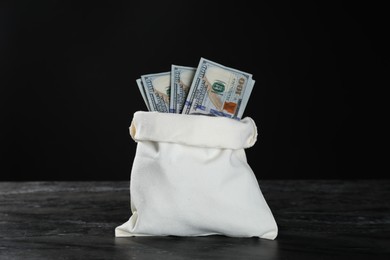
{"x": 210, "y": 89}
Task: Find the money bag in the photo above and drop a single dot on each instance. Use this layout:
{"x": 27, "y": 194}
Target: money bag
{"x": 190, "y": 177}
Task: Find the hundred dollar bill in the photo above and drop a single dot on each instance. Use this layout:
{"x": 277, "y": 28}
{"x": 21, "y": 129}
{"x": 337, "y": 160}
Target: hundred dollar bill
{"x": 218, "y": 90}
{"x": 142, "y": 90}
{"x": 181, "y": 79}
{"x": 157, "y": 87}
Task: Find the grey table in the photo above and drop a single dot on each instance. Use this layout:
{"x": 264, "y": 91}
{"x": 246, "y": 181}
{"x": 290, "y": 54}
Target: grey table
{"x": 318, "y": 219}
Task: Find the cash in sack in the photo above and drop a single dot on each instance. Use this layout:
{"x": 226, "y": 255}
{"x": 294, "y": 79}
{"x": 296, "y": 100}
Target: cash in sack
{"x": 190, "y": 175}
{"x": 211, "y": 89}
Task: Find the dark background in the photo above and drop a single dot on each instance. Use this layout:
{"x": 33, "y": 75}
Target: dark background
{"x": 68, "y": 92}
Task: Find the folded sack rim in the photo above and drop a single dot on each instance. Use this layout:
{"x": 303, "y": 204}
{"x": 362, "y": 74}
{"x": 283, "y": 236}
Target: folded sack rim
{"x": 195, "y": 130}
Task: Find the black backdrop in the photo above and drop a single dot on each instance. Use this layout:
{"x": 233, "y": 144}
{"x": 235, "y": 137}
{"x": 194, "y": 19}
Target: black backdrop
{"x": 68, "y": 87}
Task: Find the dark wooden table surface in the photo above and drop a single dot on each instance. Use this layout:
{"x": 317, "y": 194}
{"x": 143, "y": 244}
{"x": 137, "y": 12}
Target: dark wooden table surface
{"x": 317, "y": 219}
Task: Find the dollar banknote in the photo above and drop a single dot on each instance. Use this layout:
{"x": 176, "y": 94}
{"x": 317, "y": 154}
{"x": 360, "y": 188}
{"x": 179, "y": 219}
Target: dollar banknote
{"x": 218, "y": 90}
{"x": 143, "y": 94}
{"x": 181, "y": 79}
{"x": 157, "y": 90}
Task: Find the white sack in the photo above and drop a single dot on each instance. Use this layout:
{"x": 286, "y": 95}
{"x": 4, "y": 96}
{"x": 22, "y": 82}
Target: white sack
{"x": 190, "y": 177}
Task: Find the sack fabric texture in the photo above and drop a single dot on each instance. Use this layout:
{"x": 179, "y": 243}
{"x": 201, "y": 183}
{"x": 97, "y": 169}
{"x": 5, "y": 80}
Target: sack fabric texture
{"x": 190, "y": 177}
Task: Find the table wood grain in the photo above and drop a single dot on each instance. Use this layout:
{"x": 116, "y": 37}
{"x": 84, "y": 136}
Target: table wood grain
{"x": 317, "y": 219}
